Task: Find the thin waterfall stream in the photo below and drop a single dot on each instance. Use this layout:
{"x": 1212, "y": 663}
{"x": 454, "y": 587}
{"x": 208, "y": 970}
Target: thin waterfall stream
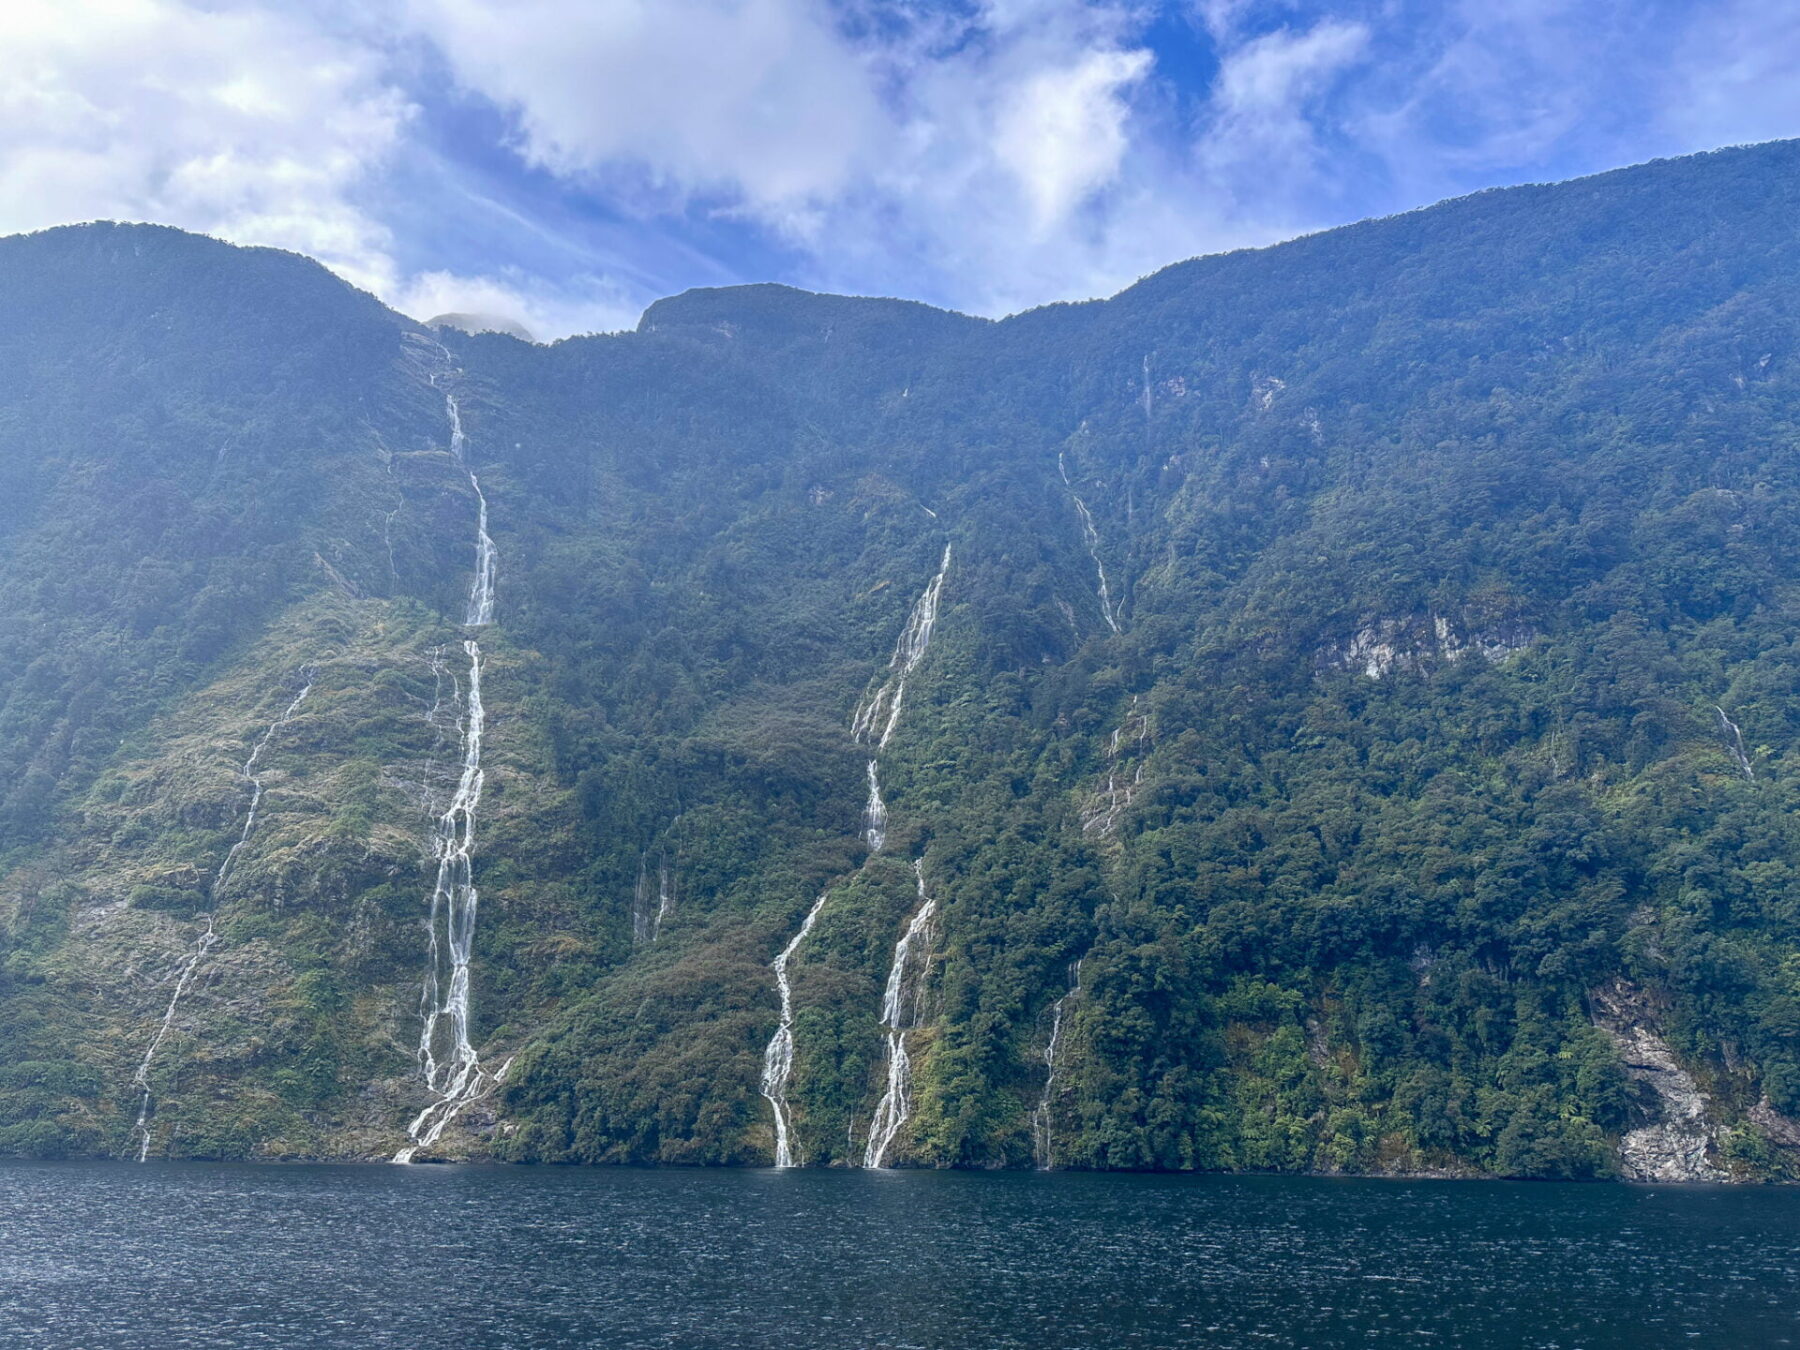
{"x": 250, "y": 775}
{"x": 898, "y": 1016}
{"x": 778, "y": 1058}
{"x": 874, "y": 721}
{"x": 452, "y": 1069}
{"x": 141, "y": 1079}
{"x": 1042, "y": 1119}
{"x": 1091, "y": 537}
{"x": 1735, "y": 742}
{"x": 208, "y": 937}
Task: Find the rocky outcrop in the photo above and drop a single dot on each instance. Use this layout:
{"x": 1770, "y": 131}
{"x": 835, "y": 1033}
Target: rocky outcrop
{"x": 1678, "y": 1144}
{"x": 1420, "y": 643}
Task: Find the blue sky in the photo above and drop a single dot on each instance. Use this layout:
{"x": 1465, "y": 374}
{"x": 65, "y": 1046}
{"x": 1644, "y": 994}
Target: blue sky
{"x": 568, "y": 161}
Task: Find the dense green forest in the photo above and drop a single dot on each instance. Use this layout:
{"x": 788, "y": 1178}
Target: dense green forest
{"x": 1331, "y": 708}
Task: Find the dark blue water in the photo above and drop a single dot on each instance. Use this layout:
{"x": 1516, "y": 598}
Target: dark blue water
{"x": 171, "y": 1255}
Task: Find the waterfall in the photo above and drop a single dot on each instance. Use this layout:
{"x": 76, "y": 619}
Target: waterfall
{"x": 778, "y": 1058}
{"x": 452, "y": 1069}
{"x": 875, "y": 813}
{"x": 1102, "y": 812}
{"x": 1735, "y": 743}
{"x": 208, "y": 938}
{"x": 641, "y": 918}
{"x": 895, "y": 1106}
{"x": 481, "y": 590}
{"x": 1042, "y": 1123}
{"x": 882, "y": 708}
{"x": 141, "y": 1079}
{"x": 1091, "y": 537}
{"x": 646, "y": 923}
{"x": 665, "y": 898}
{"x": 874, "y": 721}
{"x": 249, "y": 774}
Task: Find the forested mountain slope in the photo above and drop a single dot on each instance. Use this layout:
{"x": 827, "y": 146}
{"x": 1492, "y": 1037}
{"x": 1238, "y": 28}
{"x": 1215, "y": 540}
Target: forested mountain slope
{"x": 1329, "y": 707}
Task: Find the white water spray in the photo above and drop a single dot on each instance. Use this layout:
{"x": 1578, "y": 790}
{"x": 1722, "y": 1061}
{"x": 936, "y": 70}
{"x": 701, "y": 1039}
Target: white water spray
{"x": 451, "y": 1067}
{"x": 1042, "y": 1122}
{"x": 1735, "y": 742}
{"x": 1122, "y": 780}
{"x": 882, "y": 708}
{"x": 875, "y": 814}
{"x": 895, "y": 1106}
{"x": 874, "y": 721}
{"x": 778, "y": 1058}
{"x": 646, "y": 923}
{"x": 141, "y": 1079}
{"x": 1091, "y": 537}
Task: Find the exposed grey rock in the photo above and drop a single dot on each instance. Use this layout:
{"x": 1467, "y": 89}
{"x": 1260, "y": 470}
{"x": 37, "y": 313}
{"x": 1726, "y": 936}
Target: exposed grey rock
{"x": 1675, "y": 1147}
{"x": 1777, "y": 1128}
{"x": 1421, "y": 642}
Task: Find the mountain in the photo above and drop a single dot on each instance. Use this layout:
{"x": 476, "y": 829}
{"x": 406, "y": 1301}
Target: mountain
{"x": 1330, "y": 707}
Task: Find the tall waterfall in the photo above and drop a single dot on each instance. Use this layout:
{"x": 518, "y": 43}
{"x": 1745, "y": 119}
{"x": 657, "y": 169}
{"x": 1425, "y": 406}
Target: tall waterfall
{"x": 1091, "y": 537}
{"x": 875, "y": 719}
{"x": 1735, "y": 742}
{"x": 778, "y": 1058}
{"x": 899, "y": 1015}
{"x": 1042, "y": 1120}
{"x": 451, "y": 1067}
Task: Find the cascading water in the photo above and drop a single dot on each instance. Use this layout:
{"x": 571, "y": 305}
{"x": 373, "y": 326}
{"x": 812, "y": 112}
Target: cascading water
{"x": 647, "y": 922}
{"x": 451, "y": 1067}
{"x": 665, "y": 898}
{"x": 141, "y": 1079}
{"x": 1735, "y": 742}
{"x": 878, "y": 715}
{"x": 875, "y": 813}
{"x": 778, "y": 1058}
{"x": 1042, "y": 1123}
{"x": 249, "y": 774}
{"x": 1091, "y": 537}
{"x": 642, "y": 920}
{"x": 208, "y": 937}
{"x": 895, "y": 1106}
{"x": 882, "y": 708}
{"x": 1119, "y": 790}
{"x": 874, "y": 721}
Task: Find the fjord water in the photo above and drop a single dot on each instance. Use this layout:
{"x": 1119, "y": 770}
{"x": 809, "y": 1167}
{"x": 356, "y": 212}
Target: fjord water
{"x": 171, "y": 1255}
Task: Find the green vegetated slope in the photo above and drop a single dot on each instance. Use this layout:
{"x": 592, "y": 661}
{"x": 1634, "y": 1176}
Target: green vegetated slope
{"x": 1414, "y": 795}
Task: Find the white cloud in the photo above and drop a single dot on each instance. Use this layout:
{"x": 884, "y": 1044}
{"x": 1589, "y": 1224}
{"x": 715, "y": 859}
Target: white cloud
{"x": 1261, "y": 119}
{"x": 587, "y": 304}
{"x": 1062, "y": 132}
{"x": 759, "y": 100}
{"x": 1734, "y": 80}
{"x": 242, "y": 123}
{"x": 989, "y": 154}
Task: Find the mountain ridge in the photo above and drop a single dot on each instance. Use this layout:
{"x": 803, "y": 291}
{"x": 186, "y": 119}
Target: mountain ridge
{"x": 1317, "y": 755}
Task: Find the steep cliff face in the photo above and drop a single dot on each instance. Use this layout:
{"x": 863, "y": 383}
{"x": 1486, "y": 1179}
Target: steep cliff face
{"x": 1325, "y": 708}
